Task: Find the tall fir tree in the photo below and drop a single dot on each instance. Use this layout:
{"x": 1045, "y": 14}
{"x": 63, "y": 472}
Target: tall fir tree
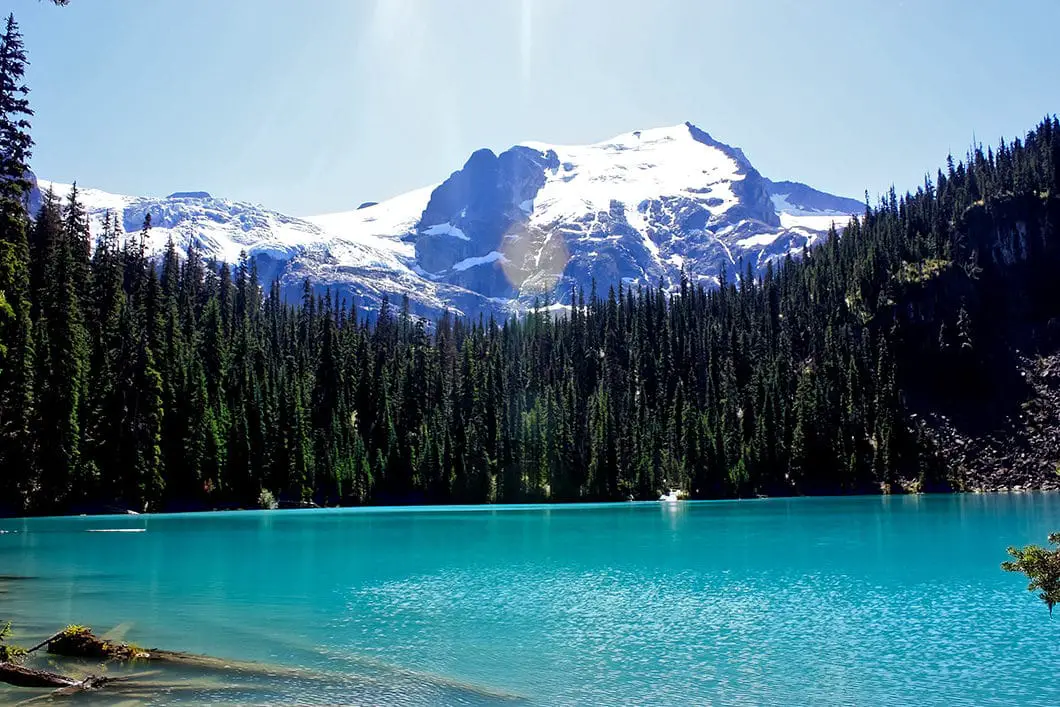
{"x": 18, "y": 473}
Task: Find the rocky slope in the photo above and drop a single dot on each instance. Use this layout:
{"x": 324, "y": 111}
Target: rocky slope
{"x": 1021, "y": 449}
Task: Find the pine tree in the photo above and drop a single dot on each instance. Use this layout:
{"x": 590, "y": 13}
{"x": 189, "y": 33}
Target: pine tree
{"x": 62, "y": 354}
{"x": 17, "y": 444}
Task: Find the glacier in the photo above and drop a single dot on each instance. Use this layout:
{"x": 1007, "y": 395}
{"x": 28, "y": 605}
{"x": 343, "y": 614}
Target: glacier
{"x": 506, "y": 231}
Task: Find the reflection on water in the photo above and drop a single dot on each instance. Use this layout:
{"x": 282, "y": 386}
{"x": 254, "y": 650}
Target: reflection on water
{"x": 881, "y": 601}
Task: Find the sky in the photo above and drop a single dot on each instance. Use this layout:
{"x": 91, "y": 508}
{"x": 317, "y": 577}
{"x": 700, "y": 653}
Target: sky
{"x": 315, "y": 106}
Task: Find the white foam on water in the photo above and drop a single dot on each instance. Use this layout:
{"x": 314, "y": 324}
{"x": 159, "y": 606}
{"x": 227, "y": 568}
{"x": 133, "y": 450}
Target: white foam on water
{"x": 117, "y": 530}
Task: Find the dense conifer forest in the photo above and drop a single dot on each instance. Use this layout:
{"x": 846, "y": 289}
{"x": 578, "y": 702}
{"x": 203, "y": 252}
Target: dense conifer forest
{"x": 174, "y": 383}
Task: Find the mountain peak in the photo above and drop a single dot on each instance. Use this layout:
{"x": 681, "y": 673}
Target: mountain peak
{"x": 667, "y": 133}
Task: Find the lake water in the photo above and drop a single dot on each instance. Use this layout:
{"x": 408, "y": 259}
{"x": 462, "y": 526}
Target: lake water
{"x": 859, "y": 601}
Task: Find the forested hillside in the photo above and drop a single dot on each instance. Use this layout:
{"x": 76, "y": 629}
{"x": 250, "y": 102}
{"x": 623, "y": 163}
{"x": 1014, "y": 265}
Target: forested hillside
{"x": 179, "y": 384}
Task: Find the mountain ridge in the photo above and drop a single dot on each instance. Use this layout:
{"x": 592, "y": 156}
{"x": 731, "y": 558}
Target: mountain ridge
{"x": 531, "y": 223}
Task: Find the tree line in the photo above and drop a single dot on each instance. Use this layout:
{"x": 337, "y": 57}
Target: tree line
{"x": 174, "y": 382}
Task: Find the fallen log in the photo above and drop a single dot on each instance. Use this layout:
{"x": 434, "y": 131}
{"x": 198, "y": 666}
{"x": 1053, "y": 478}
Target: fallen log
{"x": 21, "y": 676}
{"x": 45, "y": 642}
{"x": 80, "y": 642}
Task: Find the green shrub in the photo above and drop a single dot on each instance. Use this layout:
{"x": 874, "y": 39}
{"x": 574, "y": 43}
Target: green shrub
{"x": 267, "y": 501}
{"x": 1042, "y": 567}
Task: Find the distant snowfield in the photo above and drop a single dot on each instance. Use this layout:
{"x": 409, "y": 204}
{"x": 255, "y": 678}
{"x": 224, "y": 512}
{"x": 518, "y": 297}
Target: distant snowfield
{"x": 382, "y": 225}
{"x": 95, "y": 198}
{"x": 224, "y": 229}
{"x": 792, "y": 216}
{"x": 818, "y": 222}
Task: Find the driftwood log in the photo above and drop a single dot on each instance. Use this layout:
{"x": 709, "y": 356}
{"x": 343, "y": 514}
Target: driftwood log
{"x": 80, "y": 642}
{"x": 74, "y": 641}
{"x": 45, "y": 642}
{"x": 21, "y": 676}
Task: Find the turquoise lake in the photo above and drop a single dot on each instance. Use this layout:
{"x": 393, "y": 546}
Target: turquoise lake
{"x": 840, "y": 601}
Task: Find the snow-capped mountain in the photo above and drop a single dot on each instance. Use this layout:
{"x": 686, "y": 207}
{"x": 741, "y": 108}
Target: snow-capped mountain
{"x": 532, "y": 223}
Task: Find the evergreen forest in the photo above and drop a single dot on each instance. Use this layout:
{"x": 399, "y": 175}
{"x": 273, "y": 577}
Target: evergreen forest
{"x": 174, "y": 383}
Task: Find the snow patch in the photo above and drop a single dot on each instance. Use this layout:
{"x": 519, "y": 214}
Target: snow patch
{"x": 446, "y": 229}
{"x": 792, "y": 216}
{"x": 817, "y": 222}
{"x": 759, "y": 241}
{"x": 380, "y": 225}
{"x": 491, "y": 257}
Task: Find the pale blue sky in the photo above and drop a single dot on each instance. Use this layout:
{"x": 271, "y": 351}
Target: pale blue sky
{"x": 311, "y": 106}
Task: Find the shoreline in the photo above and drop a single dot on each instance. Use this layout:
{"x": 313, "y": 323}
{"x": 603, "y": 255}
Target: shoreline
{"x": 493, "y": 507}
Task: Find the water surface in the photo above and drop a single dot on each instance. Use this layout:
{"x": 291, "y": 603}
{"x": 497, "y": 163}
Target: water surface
{"x": 860, "y": 601}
